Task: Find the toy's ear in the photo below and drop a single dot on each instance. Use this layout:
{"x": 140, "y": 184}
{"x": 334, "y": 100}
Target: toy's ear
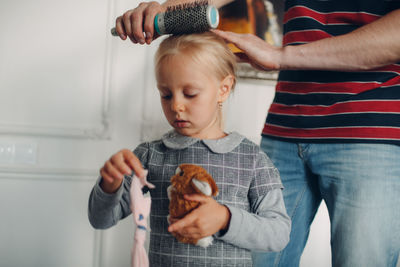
{"x": 174, "y": 178}
{"x": 178, "y": 170}
{"x": 202, "y": 186}
{"x": 213, "y": 185}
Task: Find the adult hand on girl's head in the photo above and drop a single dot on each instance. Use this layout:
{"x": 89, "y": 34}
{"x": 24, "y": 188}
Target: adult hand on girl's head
{"x": 207, "y": 219}
{"x": 133, "y": 23}
{"x": 256, "y": 51}
{"x": 120, "y": 164}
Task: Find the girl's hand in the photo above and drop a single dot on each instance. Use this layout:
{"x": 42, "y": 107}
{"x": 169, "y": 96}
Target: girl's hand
{"x": 256, "y": 51}
{"x": 134, "y": 22}
{"x": 207, "y": 219}
{"x": 120, "y": 164}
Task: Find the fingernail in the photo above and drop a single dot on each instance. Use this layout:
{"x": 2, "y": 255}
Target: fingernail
{"x": 141, "y": 41}
{"x": 133, "y": 40}
{"x": 148, "y": 35}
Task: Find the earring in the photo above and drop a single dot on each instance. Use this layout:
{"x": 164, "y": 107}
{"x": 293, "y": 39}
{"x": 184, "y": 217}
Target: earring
{"x": 220, "y": 104}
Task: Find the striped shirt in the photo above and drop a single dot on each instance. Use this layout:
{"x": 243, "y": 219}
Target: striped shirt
{"x": 334, "y": 106}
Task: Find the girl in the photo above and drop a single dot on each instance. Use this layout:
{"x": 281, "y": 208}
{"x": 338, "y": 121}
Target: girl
{"x": 195, "y": 75}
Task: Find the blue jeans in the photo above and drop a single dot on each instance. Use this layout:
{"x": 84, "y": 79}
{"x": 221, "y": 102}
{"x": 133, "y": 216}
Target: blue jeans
{"x": 360, "y": 184}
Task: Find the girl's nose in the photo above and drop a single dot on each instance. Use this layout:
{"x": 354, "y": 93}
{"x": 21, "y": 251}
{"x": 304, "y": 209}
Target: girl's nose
{"x": 177, "y": 105}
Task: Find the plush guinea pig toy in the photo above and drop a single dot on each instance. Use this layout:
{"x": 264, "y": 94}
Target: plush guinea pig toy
{"x": 189, "y": 179}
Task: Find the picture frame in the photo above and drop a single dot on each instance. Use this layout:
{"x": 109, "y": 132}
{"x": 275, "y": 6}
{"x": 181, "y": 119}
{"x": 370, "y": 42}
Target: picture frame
{"x": 258, "y": 17}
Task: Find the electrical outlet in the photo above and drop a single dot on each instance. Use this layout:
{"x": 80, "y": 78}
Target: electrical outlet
{"x": 25, "y": 153}
{"x": 18, "y": 153}
{"x": 7, "y": 152}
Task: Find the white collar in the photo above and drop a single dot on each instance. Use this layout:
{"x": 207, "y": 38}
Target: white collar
{"x": 174, "y": 140}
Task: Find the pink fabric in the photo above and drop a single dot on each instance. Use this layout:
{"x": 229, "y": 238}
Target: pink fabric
{"x": 140, "y": 206}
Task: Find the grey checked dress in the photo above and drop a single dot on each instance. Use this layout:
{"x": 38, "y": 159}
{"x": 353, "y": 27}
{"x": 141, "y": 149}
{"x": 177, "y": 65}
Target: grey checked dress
{"x": 249, "y": 186}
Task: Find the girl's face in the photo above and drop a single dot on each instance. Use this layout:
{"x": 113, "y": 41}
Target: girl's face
{"x": 190, "y": 94}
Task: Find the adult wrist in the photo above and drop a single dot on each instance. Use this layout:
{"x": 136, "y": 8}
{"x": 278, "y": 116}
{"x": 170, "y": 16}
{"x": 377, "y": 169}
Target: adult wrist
{"x": 288, "y": 57}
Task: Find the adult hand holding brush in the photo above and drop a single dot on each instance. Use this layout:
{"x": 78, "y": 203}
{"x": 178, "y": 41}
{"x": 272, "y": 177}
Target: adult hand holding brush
{"x": 349, "y": 52}
{"x": 149, "y": 20}
{"x": 138, "y": 24}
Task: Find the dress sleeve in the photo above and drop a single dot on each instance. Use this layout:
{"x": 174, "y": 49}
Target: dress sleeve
{"x": 266, "y": 176}
{"x": 266, "y": 228}
{"x": 105, "y": 210}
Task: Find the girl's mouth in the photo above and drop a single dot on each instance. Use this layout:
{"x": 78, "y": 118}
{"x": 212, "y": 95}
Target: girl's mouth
{"x": 181, "y": 123}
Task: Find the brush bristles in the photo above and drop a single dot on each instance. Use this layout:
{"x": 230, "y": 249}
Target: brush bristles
{"x": 188, "y": 5}
{"x": 187, "y": 18}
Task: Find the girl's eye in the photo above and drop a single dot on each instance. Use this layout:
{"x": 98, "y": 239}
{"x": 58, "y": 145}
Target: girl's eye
{"x": 190, "y": 92}
{"x": 190, "y": 95}
{"x": 166, "y": 97}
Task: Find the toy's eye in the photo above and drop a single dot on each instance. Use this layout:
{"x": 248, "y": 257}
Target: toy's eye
{"x": 145, "y": 189}
{"x": 181, "y": 173}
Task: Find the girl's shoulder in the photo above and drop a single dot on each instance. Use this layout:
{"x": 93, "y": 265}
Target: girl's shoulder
{"x": 247, "y": 144}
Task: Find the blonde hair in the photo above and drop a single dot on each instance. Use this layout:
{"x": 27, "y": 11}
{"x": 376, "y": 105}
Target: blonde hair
{"x": 204, "y": 48}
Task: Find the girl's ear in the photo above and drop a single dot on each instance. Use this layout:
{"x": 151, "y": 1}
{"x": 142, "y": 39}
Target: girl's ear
{"x": 226, "y": 87}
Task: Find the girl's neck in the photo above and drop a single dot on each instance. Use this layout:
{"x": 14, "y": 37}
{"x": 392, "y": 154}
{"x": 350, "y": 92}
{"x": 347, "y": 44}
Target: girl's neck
{"x": 214, "y": 136}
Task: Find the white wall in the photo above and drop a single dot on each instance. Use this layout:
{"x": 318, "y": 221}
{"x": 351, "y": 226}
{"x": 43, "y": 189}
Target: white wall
{"x": 71, "y": 95}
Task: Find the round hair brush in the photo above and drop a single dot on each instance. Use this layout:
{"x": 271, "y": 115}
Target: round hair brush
{"x": 186, "y": 18}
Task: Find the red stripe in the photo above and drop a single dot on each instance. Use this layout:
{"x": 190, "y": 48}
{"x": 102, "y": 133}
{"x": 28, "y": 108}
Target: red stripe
{"x": 336, "y": 132}
{"x": 340, "y": 87}
{"x": 354, "y": 18}
{"x": 305, "y": 87}
{"x": 338, "y": 108}
{"x": 390, "y": 68}
{"x": 304, "y": 36}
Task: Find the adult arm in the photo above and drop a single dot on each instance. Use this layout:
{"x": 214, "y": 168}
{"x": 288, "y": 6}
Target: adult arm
{"x": 371, "y": 46}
